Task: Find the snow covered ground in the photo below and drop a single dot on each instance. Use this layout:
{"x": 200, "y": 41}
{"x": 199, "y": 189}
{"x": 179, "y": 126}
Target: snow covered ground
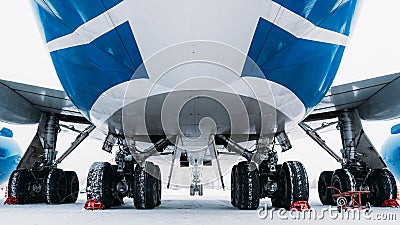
{"x": 179, "y": 208}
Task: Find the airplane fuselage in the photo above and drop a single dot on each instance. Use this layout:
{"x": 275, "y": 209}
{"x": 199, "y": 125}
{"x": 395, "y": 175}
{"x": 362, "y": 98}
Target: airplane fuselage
{"x": 160, "y": 67}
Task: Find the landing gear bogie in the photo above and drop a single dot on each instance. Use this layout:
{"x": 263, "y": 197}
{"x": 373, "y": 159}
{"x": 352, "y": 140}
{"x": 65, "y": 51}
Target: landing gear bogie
{"x": 362, "y": 168}
{"x": 48, "y": 185}
{"x": 193, "y": 189}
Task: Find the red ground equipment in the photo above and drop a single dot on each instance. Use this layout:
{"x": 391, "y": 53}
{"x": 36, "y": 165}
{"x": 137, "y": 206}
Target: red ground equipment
{"x": 300, "y": 206}
{"x": 93, "y": 204}
{"x": 11, "y": 201}
{"x": 355, "y": 199}
{"x": 390, "y": 203}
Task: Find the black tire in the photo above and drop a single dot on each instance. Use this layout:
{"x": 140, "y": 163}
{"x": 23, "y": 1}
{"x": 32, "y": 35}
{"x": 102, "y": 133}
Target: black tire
{"x": 325, "y": 194}
{"x": 382, "y": 185}
{"x": 145, "y": 193}
{"x": 19, "y": 186}
{"x": 55, "y": 187}
{"x": 72, "y": 187}
{"x": 248, "y": 186}
{"x": 159, "y": 185}
{"x": 191, "y": 190}
{"x": 100, "y": 183}
{"x": 343, "y": 180}
{"x": 233, "y": 186}
{"x": 200, "y": 189}
{"x": 292, "y": 186}
{"x": 237, "y": 193}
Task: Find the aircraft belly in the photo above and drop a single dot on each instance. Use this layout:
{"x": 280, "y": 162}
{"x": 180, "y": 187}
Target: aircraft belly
{"x": 181, "y": 113}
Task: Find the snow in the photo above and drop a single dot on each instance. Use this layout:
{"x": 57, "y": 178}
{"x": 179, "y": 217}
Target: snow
{"x": 177, "y": 208}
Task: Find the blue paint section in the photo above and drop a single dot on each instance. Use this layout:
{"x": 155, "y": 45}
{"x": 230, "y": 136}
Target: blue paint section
{"x": 7, "y": 166}
{"x": 395, "y": 129}
{"x": 305, "y": 67}
{"x": 59, "y": 18}
{"x": 5, "y": 132}
{"x": 10, "y": 155}
{"x": 335, "y": 15}
{"x": 391, "y": 153}
{"x": 87, "y": 71}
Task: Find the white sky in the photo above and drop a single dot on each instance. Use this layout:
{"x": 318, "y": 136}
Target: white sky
{"x": 374, "y": 50}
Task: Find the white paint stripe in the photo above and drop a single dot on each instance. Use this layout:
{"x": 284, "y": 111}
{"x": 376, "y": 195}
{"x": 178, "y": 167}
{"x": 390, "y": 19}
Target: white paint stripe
{"x": 301, "y": 27}
{"x": 89, "y": 31}
{"x": 274, "y": 13}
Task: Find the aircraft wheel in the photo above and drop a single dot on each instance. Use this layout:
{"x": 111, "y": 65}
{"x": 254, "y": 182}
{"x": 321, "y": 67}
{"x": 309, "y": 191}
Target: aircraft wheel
{"x": 191, "y": 191}
{"x": 343, "y": 180}
{"x": 233, "y": 186}
{"x": 145, "y": 193}
{"x": 382, "y": 185}
{"x": 72, "y": 187}
{"x": 325, "y": 194}
{"x": 19, "y": 186}
{"x": 55, "y": 186}
{"x": 100, "y": 183}
{"x": 248, "y": 187}
{"x": 292, "y": 186}
{"x": 200, "y": 190}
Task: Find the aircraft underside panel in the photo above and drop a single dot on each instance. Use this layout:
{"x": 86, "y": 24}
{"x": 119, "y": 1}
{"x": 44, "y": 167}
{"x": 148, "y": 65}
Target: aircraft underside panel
{"x": 191, "y": 113}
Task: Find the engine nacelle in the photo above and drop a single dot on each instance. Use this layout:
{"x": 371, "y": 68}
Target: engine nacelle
{"x": 391, "y": 151}
{"x": 10, "y": 154}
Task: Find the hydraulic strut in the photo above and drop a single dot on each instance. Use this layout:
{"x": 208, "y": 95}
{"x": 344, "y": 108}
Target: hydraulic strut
{"x": 50, "y": 138}
{"x": 82, "y": 136}
{"x": 314, "y": 135}
{"x": 234, "y": 147}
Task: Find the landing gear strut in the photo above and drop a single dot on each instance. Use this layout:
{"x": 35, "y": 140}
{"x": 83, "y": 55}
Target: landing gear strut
{"x": 362, "y": 167}
{"x": 132, "y": 177}
{"x": 37, "y": 178}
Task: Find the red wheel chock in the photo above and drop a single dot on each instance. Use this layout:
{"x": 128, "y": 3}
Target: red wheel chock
{"x": 300, "y": 206}
{"x": 390, "y": 203}
{"x": 11, "y": 201}
{"x": 93, "y": 204}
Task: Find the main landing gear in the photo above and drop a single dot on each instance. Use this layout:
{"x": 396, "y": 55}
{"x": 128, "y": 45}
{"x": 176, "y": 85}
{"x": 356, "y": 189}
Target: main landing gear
{"x": 362, "y": 167}
{"x": 260, "y": 176}
{"x": 105, "y": 184}
{"x": 132, "y": 177}
{"x": 37, "y": 178}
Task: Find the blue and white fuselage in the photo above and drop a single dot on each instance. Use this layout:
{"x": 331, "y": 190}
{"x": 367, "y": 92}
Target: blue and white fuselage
{"x": 159, "y": 67}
